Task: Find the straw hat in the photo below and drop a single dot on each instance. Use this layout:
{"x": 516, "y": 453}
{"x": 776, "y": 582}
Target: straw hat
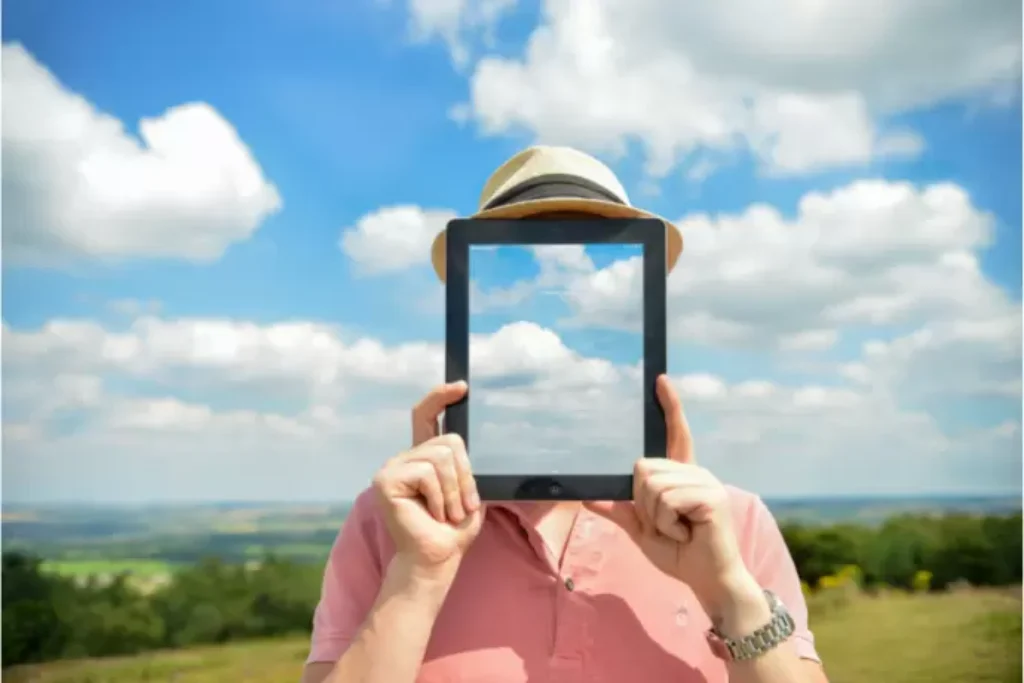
{"x": 546, "y": 179}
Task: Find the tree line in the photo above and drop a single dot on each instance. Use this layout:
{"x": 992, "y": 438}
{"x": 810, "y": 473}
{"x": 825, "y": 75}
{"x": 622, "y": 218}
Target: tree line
{"x": 979, "y": 550}
{"x": 47, "y": 616}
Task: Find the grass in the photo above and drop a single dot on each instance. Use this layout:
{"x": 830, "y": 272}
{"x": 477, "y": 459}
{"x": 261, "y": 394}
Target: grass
{"x": 82, "y": 568}
{"x": 964, "y": 637}
{"x": 971, "y": 636}
{"x": 271, "y": 661}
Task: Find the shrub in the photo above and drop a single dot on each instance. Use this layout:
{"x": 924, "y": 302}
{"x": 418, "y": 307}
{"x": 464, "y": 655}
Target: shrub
{"x": 922, "y": 581}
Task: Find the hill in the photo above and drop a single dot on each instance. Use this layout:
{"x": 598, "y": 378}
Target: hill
{"x": 154, "y": 539}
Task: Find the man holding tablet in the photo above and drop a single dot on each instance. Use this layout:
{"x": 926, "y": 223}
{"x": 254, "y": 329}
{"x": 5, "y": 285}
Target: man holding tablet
{"x": 677, "y": 579}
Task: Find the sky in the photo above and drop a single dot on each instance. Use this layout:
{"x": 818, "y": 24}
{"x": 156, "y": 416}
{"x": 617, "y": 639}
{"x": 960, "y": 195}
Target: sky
{"x": 538, "y": 365}
{"x": 216, "y": 232}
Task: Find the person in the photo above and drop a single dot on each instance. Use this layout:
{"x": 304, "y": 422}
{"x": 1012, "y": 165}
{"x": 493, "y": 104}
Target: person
{"x": 690, "y": 582}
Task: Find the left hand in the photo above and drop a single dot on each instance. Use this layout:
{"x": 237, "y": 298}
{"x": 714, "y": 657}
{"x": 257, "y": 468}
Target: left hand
{"x": 680, "y": 515}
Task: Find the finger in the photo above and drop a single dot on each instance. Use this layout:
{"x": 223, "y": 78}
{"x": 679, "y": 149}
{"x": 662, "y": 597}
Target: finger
{"x": 665, "y": 496}
{"x": 649, "y": 467}
{"x": 467, "y": 482}
{"x": 684, "y": 509}
{"x": 439, "y": 454}
{"x": 670, "y": 516}
{"x": 621, "y": 513}
{"x": 417, "y": 478}
{"x": 678, "y": 438}
{"x": 429, "y": 486}
{"x": 685, "y": 472}
{"x": 473, "y": 520}
{"x": 428, "y": 410}
{"x": 640, "y": 474}
{"x": 463, "y": 469}
{"x": 450, "y": 487}
{"x": 655, "y": 486}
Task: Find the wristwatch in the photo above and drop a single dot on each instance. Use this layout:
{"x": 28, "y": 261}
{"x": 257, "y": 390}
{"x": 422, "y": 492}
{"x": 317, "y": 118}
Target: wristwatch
{"x": 765, "y": 639}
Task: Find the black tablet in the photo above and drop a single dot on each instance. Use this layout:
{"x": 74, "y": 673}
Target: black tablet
{"x": 547, "y": 415}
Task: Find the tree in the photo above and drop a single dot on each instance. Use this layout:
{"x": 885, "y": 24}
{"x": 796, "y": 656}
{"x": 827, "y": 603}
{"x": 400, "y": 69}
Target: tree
{"x": 33, "y": 627}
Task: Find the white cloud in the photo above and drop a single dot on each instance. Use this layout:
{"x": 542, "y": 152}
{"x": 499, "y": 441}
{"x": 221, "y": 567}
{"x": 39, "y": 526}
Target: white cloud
{"x": 558, "y": 265}
{"x": 801, "y": 85}
{"x": 809, "y": 340}
{"x": 171, "y": 416}
{"x": 296, "y": 361}
{"x": 206, "y": 408}
{"x": 130, "y": 394}
{"x": 393, "y": 238}
{"x": 77, "y": 184}
{"x": 455, "y": 21}
{"x": 873, "y": 253}
{"x": 794, "y": 133}
{"x": 979, "y": 357}
{"x": 310, "y": 363}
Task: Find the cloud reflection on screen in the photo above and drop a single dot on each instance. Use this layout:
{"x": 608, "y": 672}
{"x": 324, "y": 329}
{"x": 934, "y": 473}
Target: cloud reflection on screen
{"x": 548, "y": 393}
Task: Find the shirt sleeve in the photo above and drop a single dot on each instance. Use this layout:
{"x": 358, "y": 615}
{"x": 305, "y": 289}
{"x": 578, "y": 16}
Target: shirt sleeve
{"x": 352, "y": 580}
{"x": 771, "y": 564}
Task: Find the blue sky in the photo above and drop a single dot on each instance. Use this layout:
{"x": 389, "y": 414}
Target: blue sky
{"x": 845, "y": 318}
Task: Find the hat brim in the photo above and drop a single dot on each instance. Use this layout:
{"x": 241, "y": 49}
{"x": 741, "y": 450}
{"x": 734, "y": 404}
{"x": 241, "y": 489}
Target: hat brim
{"x": 674, "y": 238}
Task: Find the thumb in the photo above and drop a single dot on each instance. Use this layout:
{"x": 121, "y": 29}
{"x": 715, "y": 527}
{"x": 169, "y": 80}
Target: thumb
{"x": 620, "y": 513}
{"x": 679, "y": 441}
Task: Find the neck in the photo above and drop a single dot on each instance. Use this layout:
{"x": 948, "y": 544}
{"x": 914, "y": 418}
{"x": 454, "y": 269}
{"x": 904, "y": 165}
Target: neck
{"x": 566, "y": 506}
{"x": 540, "y": 509}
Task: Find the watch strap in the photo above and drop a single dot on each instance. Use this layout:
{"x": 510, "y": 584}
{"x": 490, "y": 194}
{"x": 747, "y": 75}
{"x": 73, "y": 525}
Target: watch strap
{"x": 766, "y": 638}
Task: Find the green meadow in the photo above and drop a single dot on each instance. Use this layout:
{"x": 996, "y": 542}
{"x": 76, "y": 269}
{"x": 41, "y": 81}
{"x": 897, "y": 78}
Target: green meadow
{"x": 84, "y": 568}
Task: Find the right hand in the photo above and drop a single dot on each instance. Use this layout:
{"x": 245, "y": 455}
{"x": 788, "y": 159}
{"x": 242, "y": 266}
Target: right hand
{"x": 431, "y": 505}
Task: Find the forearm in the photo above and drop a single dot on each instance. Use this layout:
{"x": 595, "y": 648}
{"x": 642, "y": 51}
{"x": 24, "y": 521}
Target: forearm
{"x": 393, "y": 640}
{"x": 742, "y": 611}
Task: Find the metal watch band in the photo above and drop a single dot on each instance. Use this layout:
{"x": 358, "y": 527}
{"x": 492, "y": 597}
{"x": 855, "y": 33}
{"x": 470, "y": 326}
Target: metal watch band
{"x": 765, "y": 639}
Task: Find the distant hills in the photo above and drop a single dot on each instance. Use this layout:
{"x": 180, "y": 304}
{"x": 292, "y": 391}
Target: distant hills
{"x": 874, "y": 510}
{"x": 81, "y": 522}
{"x": 83, "y": 535}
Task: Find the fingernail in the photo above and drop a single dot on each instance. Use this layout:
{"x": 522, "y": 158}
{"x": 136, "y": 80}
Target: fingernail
{"x": 474, "y": 501}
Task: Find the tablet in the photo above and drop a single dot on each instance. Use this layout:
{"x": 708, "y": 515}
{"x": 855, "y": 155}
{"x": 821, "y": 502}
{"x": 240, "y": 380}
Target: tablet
{"x": 558, "y": 328}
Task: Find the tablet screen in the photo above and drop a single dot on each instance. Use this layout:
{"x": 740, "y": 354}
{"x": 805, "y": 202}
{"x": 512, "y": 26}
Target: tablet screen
{"x": 555, "y": 359}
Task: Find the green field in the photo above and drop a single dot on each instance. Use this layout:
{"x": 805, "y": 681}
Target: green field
{"x": 962, "y": 637}
{"x": 82, "y": 568}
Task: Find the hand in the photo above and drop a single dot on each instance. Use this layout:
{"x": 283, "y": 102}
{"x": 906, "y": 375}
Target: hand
{"x": 426, "y": 415}
{"x": 680, "y": 516}
{"x": 432, "y": 508}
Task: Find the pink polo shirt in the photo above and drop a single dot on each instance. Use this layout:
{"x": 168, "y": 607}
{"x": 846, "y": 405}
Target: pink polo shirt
{"x": 606, "y": 615}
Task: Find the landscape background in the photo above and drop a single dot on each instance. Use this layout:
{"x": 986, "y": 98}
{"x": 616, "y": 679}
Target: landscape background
{"x": 216, "y": 288}
{"x": 150, "y": 540}
{"x": 932, "y": 585}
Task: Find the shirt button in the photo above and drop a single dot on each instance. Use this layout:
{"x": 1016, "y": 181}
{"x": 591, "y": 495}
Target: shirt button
{"x": 570, "y": 584}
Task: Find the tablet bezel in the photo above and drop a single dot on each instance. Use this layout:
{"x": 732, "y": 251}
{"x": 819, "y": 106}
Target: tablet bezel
{"x": 648, "y": 233}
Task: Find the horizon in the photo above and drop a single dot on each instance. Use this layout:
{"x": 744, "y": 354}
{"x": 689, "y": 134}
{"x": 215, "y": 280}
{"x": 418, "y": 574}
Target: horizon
{"x": 909, "y": 497}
